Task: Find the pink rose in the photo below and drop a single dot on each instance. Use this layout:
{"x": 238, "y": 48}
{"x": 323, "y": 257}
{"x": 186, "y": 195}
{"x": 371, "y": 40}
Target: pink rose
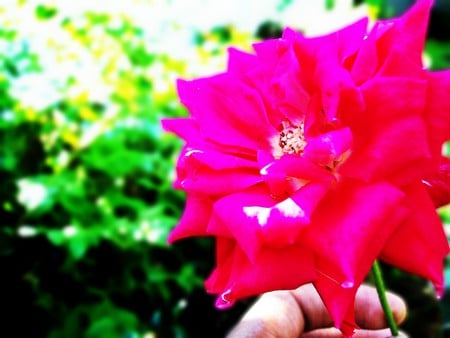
{"x": 313, "y": 157}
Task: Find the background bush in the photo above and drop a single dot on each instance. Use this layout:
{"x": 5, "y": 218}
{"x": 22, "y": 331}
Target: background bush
{"x": 86, "y": 177}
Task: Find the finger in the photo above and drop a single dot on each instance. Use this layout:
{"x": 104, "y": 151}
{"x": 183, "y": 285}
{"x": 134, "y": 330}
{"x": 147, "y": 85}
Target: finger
{"x": 323, "y": 333}
{"x": 286, "y": 313}
{"x": 335, "y": 333}
{"x": 274, "y": 314}
{"x": 377, "y": 334}
{"x": 314, "y": 311}
{"x": 369, "y": 313}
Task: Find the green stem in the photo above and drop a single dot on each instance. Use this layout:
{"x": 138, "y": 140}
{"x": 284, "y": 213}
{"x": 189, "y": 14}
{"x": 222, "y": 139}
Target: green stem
{"x": 381, "y": 290}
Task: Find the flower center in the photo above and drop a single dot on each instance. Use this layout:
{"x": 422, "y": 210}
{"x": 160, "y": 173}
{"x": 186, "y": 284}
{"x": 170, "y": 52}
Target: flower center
{"x": 292, "y": 139}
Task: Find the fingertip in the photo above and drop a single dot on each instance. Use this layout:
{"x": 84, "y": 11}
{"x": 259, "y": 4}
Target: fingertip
{"x": 384, "y": 333}
{"x": 274, "y": 314}
{"x": 368, "y": 310}
{"x": 398, "y": 307}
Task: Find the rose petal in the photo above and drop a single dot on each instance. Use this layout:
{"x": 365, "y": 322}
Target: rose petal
{"x": 213, "y": 101}
{"x": 287, "y": 95}
{"x": 282, "y": 223}
{"x": 419, "y": 245}
{"x": 438, "y": 184}
{"x": 398, "y": 64}
{"x": 353, "y": 213}
{"x": 438, "y": 108}
{"x": 237, "y": 277}
{"x": 217, "y": 182}
{"x": 287, "y": 174}
{"x": 240, "y": 62}
{"x": 407, "y": 33}
{"x": 339, "y": 301}
{"x": 382, "y": 105}
{"x": 342, "y": 232}
{"x": 366, "y": 60}
{"x": 218, "y": 160}
{"x": 186, "y": 128}
{"x": 196, "y": 215}
{"x": 230, "y": 211}
{"x": 255, "y": 219}
{"x": 398, "y": 148}
{"x": 329, "y": 147}
{"x": 374, "y": 124}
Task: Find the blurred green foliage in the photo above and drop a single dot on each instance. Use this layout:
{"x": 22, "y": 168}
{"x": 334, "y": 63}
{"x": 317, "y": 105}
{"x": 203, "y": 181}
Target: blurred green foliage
{"x": 86, "y": 192}
{"x": 86, "y": 178}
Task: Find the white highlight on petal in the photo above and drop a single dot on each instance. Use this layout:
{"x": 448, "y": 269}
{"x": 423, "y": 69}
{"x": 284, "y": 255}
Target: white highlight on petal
{"x": 347, "y": 284}
{"x": 261, "y": 213}
{"x": 264, "y": 171}
{"x": 192, "y": 151}
{"x": 222, "y": 302}
{"x": 288, "y": 208}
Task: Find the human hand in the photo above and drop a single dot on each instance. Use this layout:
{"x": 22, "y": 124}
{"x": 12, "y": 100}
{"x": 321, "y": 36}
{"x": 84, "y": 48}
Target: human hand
{"x": 301, "y": 313}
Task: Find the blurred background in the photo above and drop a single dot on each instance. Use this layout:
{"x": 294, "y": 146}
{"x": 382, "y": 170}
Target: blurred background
{"x": 86, "y": 198}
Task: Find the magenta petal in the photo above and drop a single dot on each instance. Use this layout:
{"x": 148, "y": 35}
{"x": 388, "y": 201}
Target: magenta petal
{"x": 404, "y": 36}
{"x": 339, "y": 301}
{"x": 269, "y": 50}
{"x": 398, "y": 64}
{"x": 195, "y": 218}
{"x": 282, "y": 223}
{"x": 296, "y": 166}
{"x": 438, "y": 108}
{"x": 366, "y": 61}
{"x": 289, "y": 173}
{"x": 243, "y": 227}
{"x": 354, "y": 214}
{"x": 342, "y": 232}
{"x": 254, "y": 219}
{"x": 419, "y": 245}
{"x": 392, "y": 136}
{"x": 380, "y": 111}
{"x": 350, "y": 38}
{"x": 219, "y": 279}
{"x": 309, "y": 196}
{"x": 214, "y": 126}
{"x": 240, "y": 62}
{"x": 407, "y": 33}
{"x": 365, "y": 184}
{"x": 331, "y": 78}
{"x": 237, "y": 277}
{"x": 397, "y": 149}
{"x": 438, "y": 184}
{"x": 287, "y": 94}
{"x": 218, "y": 227}
{"x": 218, "y": 182}
{"x": 218, "y": 160}
{"x": 329, "y": 147}
{"x": 213, "y": 101}
{"x": 195, "y": 177}
{"x": 186, "y": 128}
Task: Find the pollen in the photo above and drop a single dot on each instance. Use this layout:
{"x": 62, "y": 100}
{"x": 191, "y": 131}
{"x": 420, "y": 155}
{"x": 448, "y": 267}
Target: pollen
{"x": 292, "y": 139}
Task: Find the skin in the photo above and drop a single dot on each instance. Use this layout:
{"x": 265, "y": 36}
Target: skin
{"x": 301, "y": 313}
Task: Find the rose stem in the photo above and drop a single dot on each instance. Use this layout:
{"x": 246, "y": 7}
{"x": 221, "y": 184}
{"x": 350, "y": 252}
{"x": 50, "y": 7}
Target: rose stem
{"x": 381, "y": 290}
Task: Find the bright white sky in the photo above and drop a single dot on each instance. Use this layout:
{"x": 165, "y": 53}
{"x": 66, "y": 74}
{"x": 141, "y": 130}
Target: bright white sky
{"x": 168, "y": 24}
{"x": 203, "y": 14}
{"x": 171, "y": 22}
